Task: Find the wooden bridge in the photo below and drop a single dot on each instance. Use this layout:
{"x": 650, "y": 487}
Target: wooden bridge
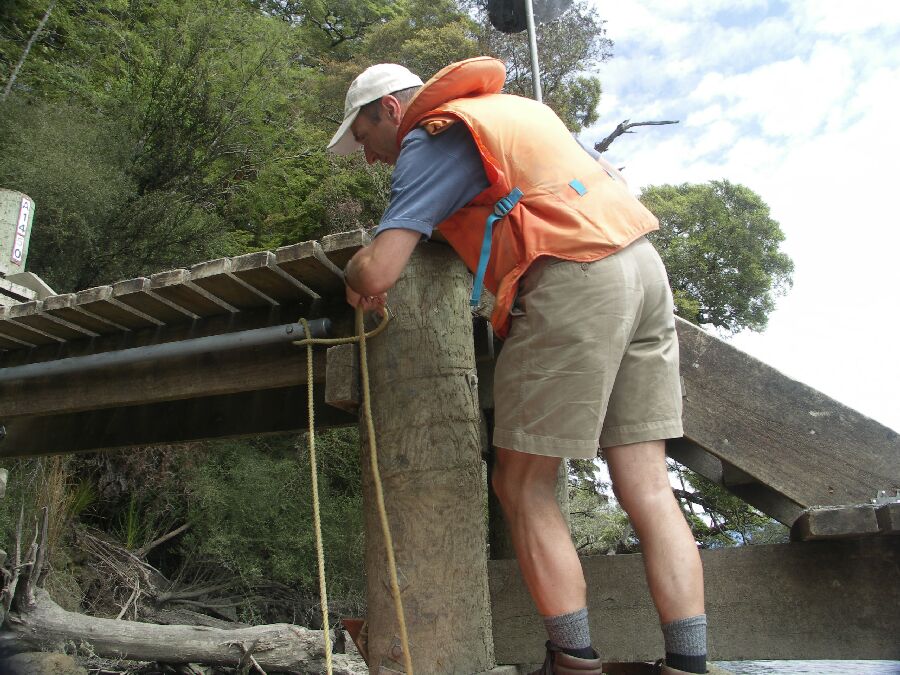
{"x": 206, "y": 352}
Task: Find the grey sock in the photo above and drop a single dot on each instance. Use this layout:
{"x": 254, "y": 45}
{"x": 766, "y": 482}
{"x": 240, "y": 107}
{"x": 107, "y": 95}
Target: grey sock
{"x": 569, "y": 632}
{"x": 686, "y": 644}
{"x": 686, "y": 636}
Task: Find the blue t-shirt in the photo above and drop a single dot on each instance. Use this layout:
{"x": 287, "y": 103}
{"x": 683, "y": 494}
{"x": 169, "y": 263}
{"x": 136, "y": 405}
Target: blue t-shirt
{"x": 434, "y": 177}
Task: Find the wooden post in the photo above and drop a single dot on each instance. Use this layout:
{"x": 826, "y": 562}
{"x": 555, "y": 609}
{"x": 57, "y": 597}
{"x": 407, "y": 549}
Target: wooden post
{"x": 425, "y": 409}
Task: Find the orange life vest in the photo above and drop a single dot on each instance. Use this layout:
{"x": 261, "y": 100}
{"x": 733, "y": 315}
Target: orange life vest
{"x": 570, "y": 207}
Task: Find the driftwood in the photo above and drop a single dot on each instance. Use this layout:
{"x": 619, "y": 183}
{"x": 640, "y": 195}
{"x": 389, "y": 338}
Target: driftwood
{"x": 274, "y": 647}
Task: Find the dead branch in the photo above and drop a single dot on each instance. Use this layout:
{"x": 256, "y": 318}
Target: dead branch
{"x": 623, "y": 128}
{"x": 144, "y": 550}
{"x": 9, "y": 590}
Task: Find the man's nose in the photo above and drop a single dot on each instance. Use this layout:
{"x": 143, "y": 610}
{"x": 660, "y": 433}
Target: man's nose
{"x": 370, "y": 156}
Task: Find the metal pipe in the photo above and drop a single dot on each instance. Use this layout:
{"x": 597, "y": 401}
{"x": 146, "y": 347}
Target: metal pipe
{"x": 258, "y": 337}
{"x": 532, "y": 47}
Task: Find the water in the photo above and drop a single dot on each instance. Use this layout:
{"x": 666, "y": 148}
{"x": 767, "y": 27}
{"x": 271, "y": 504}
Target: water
{"x": 811, "y": 667}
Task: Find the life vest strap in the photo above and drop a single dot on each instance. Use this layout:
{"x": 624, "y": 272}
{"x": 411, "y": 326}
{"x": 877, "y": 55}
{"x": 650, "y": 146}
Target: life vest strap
{"x": 503, "y": 206}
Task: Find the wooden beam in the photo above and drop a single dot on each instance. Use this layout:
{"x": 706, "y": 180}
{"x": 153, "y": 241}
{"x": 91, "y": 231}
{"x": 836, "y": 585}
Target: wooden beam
{"x": 426, "y": 418}
{"x": 836, "y": 522}
{"x": 136, "y": 294}
{"x": 176, "y": 378}
{"x": 266, "y": 411}
{"x": 759, "y": 496}
{"x": 29, "y": 314}
{"x": 176, "y": 287}
{"x": 813, "y": 600}
{"x": 260, "y": 271}
{"x": 215, "y": 277}
{"x": 786, "y": 435}
{"x": 888, "y": 516}
{"x": 100, "y": 301}
{"x": 342, "y": 246}
{"x": 308, "y": 263}
{"x": 64, "y": 307}
{"x": 342, "y": 378}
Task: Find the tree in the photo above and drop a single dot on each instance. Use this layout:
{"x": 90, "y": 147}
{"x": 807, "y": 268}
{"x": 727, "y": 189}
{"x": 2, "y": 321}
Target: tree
{"x": 720, "y": 246}
{"x": 569, "y": 48}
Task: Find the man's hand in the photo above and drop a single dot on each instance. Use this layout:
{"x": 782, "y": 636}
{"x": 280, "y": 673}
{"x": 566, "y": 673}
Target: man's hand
{"x": 366, "y": 302}
{"x": 376, "y": 268}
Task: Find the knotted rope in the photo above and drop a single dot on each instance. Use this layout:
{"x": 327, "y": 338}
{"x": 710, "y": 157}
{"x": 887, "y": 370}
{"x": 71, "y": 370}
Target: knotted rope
{"x": 360, "y": 337}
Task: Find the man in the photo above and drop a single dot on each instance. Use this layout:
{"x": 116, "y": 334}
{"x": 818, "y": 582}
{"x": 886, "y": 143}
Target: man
{"x": 584, "y": 305}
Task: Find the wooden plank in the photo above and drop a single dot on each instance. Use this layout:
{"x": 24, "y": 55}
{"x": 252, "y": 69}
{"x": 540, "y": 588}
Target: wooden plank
{"x": 695, "y": 458}
{"x": 888, "y": 516}
{"x": 136, "y": 293}
{"x": 29, "y": 314}
{"x": 260, "y": 271}
{"x": 176, "y": 287}
{"x": 783, "y": 601}
{"x": 64, "y": 307}
{"x": 342, "y": 246}
{"x": 836, "y": 522}
{"x": 342, "y": 378}
{"x": 100, "y": 301}
{"x": 788, "y": 436}
{"x": 210, "y": 374}
{"x": 11, "y": 343}
{"x": 247, "y": 413}
{"x": 765, "y": 499}
{"x": 757, "y": 495}
{"x": 732, "y": 475}
{"x": 308, "y": 263}
{"x": 216, "y": 278}
{"x": 20, "y": 333}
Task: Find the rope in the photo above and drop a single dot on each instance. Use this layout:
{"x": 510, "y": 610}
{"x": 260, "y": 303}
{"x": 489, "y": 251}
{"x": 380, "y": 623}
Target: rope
{"x": 361, "y": 338}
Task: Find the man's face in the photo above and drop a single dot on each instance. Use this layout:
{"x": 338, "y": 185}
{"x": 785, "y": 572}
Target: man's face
{"x": 379, "y": 139}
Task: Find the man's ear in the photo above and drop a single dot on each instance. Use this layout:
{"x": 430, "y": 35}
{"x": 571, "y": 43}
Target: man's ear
{"x": 393, "y": 107}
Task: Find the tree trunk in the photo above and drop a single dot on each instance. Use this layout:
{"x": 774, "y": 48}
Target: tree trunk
{"x": 426, "y": 415}
{"x": 31, "y": 41}
{"x": 277, "y": 647}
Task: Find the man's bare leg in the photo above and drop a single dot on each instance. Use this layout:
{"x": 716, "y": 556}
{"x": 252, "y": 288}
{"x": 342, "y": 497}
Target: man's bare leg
{"x": 674, "y": 572}
{"x": 671, "y": 558}
{"x": 525, "y": 484}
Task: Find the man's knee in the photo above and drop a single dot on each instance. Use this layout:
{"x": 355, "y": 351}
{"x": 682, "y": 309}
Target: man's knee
{"x": 518, "y": 476}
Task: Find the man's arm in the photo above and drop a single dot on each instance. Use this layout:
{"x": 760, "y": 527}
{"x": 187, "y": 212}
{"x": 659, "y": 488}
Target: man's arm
{"x": 376, "y": 268}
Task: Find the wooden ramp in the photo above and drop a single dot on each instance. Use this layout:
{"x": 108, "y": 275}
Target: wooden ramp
{"x": 780, "y": 445}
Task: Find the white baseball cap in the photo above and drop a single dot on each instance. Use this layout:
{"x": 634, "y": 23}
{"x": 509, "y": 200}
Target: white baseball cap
{"x": 371, "y": 84}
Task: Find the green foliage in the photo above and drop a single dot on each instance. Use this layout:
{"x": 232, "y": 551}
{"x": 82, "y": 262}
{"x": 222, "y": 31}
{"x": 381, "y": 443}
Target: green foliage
{"x": 251, "y": 509}
{"x": 569, "y": 48}
{"x": 91, "y": 223}
{"x": 718, "y": 518}
{"x": 598, "y": 526}
{"x": 721, "y": 249}
{"x": 130, "y": 528}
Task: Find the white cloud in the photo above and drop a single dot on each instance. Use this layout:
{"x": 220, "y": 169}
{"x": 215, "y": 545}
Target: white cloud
{"x": 801, "y": 108}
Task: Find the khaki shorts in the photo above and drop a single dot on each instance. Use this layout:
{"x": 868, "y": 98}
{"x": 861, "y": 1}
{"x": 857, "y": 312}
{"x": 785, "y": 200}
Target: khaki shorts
{"x": 591, "y": 359}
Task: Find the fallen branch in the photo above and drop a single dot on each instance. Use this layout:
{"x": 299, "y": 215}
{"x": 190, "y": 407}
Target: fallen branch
{"x": 144, "y": 550}
{"x": 277, "y": 647}
{"x": 623, "y": 128}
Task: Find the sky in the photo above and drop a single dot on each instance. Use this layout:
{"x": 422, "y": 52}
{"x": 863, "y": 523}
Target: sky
{"x": 799, "y": 101}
